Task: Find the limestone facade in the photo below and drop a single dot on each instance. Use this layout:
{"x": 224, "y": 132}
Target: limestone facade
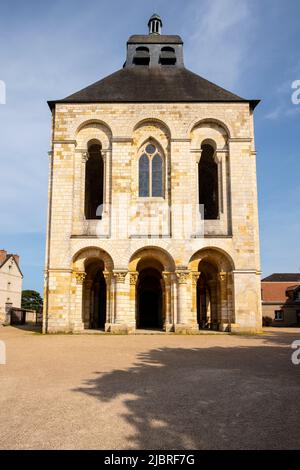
{"x": 122, "y": 240}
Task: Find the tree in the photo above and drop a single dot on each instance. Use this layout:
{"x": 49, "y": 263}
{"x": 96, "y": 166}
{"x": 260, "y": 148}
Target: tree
{"x": 31, "y": 300}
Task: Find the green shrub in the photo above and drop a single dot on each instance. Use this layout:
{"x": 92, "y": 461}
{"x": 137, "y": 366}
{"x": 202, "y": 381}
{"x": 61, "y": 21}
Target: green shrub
{"x": 267, "y": 321}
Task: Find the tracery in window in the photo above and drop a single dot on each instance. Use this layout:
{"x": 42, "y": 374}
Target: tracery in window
{"x": 151, "y": 172}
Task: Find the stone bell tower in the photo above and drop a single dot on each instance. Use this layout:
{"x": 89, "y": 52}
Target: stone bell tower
{"x": 153, "y": 219}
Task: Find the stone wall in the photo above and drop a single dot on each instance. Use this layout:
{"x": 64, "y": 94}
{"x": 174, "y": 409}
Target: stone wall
{"x": 179, "y": 130}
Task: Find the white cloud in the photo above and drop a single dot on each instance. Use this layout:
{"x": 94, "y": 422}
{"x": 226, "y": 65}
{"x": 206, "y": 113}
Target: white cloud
{"x": 284, "y": 106}
{"x": 219, "y": 39}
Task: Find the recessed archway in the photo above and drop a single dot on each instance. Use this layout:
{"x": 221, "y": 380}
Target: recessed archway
{"x": 96, "y": 265}
{"x": 208, "y": 315}
{"x": 94, "y": 295}
{"x": 213, "y": 294}
{"x": 151, "y": 266}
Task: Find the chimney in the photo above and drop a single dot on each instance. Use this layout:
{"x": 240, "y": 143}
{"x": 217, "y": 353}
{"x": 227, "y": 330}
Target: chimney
{"x": 3, "y": 254}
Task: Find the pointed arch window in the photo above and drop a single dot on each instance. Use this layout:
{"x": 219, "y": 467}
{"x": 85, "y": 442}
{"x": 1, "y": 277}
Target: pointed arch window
{"x": 208, "y": 183}
{"x": 94, "y": 182}
{"x": 151, "y": 172}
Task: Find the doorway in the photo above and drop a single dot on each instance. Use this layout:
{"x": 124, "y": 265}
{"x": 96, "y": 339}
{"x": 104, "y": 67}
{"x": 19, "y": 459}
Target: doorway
{"x": 98, "y": 303}
{"x": 149, "y": 300}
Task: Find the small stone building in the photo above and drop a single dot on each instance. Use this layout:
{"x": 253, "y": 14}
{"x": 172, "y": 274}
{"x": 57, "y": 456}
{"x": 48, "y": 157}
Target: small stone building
{"x": 153, "y": 219}
{"x": 281, "y": 298}
{"x": 11, "y": 279}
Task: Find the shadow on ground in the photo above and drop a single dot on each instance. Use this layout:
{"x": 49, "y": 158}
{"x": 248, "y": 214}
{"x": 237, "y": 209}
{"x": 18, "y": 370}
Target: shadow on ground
{"x": 279, "y": 336}
{"x": 206, "y": 398}
{"x": 34, "y": 327}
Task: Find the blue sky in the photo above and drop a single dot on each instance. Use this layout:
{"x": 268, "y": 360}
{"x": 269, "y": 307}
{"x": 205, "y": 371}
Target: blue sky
{"x": 49, "y": 50}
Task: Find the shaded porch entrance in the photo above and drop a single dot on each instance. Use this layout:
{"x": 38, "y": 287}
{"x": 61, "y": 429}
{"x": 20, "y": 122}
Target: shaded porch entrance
{"x": 149, "y": 300}
{"x": 95, "y": 296}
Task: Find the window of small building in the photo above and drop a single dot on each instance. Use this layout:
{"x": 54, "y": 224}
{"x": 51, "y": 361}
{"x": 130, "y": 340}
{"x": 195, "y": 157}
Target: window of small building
{"x": 278, "y": 315}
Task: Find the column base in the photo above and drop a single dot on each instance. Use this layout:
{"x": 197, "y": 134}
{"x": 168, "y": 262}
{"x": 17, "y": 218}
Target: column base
{"x": 168, "y": 327}
{"x": 118, "y": 329}
{"x": 56, "y": 330}
{"x": 78, "y": 327}
{"x": 225, "y": 327}
{"x": 186, "y": 329}
{"x": 250, "y": 330}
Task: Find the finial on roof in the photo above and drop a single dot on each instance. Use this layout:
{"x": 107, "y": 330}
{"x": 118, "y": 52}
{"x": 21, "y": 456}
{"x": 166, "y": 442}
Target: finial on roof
{"x": 155, "y": 24}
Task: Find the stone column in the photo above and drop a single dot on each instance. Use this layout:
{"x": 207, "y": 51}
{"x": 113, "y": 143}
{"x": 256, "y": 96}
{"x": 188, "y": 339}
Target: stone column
{"x": 174, "y": 308}
{"x": 133, "y": 278}
{"x": 183, "y": 321}
{"x": 218, "y": 159}
{"x": 108, "y": 320}
{"x": 120, "y": 324}
{"x": 106, "y": 215}
{"x": 81, "y": 157}
{"x": 168, "y": 321}
{"x": 78, "y": 324}
{"x": 223, "y": 302}
{"x": 87, "y": 303}
{"x": 213, "y": 313}
{"x": 194, "y": 281}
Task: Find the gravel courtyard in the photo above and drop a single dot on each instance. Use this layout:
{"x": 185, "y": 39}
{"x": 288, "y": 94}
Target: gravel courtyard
{"x": 149, "y": 391}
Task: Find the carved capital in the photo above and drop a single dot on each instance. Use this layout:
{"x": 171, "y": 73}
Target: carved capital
{"x": 182, "y": 276}
{"x": 133, "y": 278}
{"x": 80, "y": 277}
{"x": 217, "y": 157}
{"x": 85, "y": 156}
{"x": 222, "y": 276}
{"x": 120, "y": 276}
{"x": 167, "y": 277}
{"x": 107, "y": 276}
{"x": 195, "y": 276}
{"x": 198, "y": 156}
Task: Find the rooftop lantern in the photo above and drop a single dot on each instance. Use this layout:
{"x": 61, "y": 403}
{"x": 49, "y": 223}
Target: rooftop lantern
{"x": 155, "y": 24}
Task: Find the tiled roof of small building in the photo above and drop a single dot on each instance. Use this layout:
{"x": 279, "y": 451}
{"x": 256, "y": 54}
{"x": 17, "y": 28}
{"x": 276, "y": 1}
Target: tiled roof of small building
{"x": 282, "y": 277}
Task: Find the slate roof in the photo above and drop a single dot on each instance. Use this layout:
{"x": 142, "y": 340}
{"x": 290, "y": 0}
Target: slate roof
{"x": 144, "y": 84}
{"x": 282, "y": 277}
